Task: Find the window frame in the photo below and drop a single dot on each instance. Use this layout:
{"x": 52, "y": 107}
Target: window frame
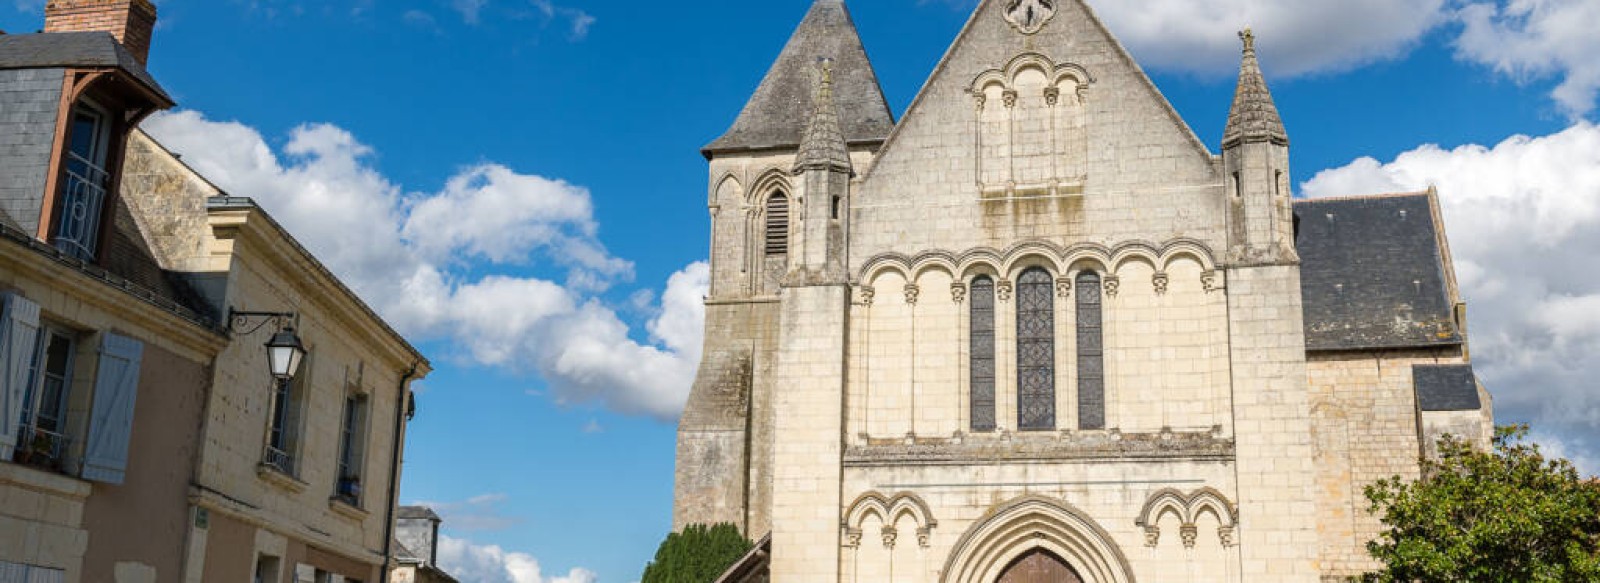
{"x": 354, "y": 426}
{"x": 79, "y": 176}
{"x": 28, "y": 431}
{"x": 983, "y": 348}
{"x": 1089, "y": 305}
{"x": 1036, "y": 409}
{"x": 777, "y": 235}
{"x": 286, "y": 422}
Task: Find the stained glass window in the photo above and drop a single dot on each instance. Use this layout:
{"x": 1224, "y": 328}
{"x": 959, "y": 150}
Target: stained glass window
{"x": 982, "y": 306}
{"x": 1036, "y": 351}
{"x": 1091, "y": 354}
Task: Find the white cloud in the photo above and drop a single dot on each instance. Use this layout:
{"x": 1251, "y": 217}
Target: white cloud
{"x": 1524, "y": 220}
{"x": 1295, "y": 37}
{"x": 578, "y": 21}
{"x": 1536, "y": 39}
{"x": 491, "y": 564}
{"x": 447, "y": 265}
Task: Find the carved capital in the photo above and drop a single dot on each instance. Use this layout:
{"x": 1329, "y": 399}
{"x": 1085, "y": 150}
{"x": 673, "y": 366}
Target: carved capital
{"x": 1225, "y": 533}
{"x": 1190, "y": 534}
{"x": 913, "y": 293}
{"x": 924, "y": 536}
{"x": 958, "y": 292}
{"x": 979, "y": 99}
{"x": 1010, "y": 97}
{"x": 1152, "y": 536}
{"x": 1002, "y": 290}
{"x": 1113, "y": 284}
{"x": 1052, "y": 95}
{"x": 868, "y": 295}
{"x": 852, "y": 537}
{"x": 1064, "y": 287}
{"x": 1162, "y": 282}
{"x": 889, "y": 537}
{"x": 1211, "y": 281}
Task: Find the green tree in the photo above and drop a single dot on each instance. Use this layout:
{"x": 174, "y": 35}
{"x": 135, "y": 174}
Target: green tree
{"x": 1505, "y": 515}
{"x": 699, "y": 554}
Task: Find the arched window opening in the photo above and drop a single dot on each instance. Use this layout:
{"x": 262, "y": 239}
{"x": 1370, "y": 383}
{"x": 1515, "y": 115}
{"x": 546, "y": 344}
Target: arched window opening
{"x": 983, "y": 365}
{"x": 1036, "y": 351}
{"x": 1091, "y": 353}
{"x": 778, "y": 224}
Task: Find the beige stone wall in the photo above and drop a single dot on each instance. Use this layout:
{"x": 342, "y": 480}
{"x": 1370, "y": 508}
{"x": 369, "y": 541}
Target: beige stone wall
{"x": 1366, "y": 423}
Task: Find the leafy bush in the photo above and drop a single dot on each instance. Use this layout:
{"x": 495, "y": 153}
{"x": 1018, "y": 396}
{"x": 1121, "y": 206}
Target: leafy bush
{"x": 699, "y": 554}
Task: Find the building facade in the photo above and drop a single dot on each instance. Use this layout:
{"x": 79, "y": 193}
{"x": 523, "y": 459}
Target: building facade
{"x": 142, "y": 435}
{"x": 1038, "y": 330}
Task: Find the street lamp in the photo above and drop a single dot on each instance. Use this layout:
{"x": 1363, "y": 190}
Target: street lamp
{"x": 285, "y": 351}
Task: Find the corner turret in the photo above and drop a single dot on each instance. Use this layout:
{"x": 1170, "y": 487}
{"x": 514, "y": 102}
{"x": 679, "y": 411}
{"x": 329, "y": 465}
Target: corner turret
{"x": 1255, "y": 152}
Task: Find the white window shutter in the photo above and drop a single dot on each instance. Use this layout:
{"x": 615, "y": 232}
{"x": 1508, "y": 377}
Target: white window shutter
{"x": 116, "y": 388}
{"x": 19, "y": 330}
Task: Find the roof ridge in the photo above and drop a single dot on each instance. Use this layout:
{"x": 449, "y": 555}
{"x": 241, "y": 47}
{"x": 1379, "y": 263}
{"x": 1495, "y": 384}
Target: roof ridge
{"x": 1378, "y": 196}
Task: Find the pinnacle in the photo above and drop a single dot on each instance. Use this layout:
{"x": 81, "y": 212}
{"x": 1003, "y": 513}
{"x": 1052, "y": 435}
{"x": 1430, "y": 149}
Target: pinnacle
{"x": 823, "y": 145}
{"x": 1254, "y": 116}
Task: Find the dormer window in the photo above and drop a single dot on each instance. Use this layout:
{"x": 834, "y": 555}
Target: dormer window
{"x": 85, "y": 181}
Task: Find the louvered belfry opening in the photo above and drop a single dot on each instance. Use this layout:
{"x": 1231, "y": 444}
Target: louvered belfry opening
{"x": 778, "y": 224}
{"x": 1036, "y": 351}
{"x": 983, "y": 363}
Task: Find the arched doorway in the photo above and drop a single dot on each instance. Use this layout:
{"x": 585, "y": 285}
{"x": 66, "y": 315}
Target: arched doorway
{"x": 1039, "y": 566}
{"x": 1014, "y": 532}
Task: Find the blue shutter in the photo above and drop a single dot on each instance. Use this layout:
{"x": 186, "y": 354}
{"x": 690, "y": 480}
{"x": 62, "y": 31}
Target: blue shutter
{"x": 19, "y": 332}
{"x": 116, "y": 388}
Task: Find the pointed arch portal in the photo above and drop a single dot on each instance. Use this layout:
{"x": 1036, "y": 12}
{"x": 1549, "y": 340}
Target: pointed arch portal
{"x": 1035, "y": 536}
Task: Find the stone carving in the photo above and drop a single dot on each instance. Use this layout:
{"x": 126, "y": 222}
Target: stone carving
{"x": 1162, "y": 282}
{"x": 1029, "y": 16}
{"x": 1208, "y": 280}
{"x": 852, "y": 537}
{"x": 889, "y": 537}
{"x": 868, "y": 295}
{"x": 913, "y": 293}
{"x": 888, "y": 510}
{"x": 1010, "y": 97}
{"x": 1064, "y": 287}
{"x": 958, "y": 292}
{"x": 1113, "y": 284}
{"x": 1052, "y": 95}
{"x": 1003, "y": 290}
{"x": 1188, "y": 509}
{"x": 1005, "y": 446}
{"x": 923, "y": 536}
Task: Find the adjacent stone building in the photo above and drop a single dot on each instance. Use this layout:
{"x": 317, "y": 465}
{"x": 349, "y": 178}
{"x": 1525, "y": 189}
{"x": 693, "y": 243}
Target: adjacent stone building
{"x": 143, "y": 437}
{"x": 1038, "y": 330}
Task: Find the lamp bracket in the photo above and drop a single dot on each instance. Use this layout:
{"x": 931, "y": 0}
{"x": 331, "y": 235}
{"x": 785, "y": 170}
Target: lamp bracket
{"x": 240, "y": 322}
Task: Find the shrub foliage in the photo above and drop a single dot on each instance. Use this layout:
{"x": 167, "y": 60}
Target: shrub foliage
{"x": 699, "y": 554}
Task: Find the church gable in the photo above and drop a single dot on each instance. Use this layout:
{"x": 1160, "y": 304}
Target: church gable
{"x": 1037, "y": 101}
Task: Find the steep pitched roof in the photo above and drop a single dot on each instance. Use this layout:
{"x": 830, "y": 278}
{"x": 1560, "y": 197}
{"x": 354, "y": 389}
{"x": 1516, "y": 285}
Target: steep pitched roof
{"x": 769, "y": 120}
{"x": 1373, "y": 273}
{"x": 1254, "y": 115}
{"x": 74, "y": 49}
{"x": 824, "y": 146}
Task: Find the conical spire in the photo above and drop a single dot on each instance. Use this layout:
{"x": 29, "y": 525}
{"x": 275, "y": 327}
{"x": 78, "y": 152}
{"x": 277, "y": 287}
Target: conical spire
{"x": 1255, "y": 116}
{"x": 775, "y": 117}
{"x": 823, "y": 147}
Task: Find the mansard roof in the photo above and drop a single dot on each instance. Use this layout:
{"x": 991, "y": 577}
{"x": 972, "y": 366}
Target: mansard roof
{"x": 1374, "y": 273}
{"x": 75, "y": 49}
{"x": 775, "y": 116}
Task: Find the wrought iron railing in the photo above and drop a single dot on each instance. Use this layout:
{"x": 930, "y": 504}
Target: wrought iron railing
{"x": 82, "y": 203}
{"x": 42, "y": 449}
{"x": 279, "y": 460}
{"x": 349, "y": 491}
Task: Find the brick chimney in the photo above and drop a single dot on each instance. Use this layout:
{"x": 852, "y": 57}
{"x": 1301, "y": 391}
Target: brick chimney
{"x": 131, "y": 21}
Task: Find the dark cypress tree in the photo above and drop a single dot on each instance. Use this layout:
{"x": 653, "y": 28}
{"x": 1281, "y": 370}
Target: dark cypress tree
{"x": 697, "y": 555}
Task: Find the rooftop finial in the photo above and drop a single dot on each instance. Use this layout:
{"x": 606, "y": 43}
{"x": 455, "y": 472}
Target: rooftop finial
{"x": 1249, "y": 38}
{"x": 823, "y": 144}
{"x": 1254, "y": 116}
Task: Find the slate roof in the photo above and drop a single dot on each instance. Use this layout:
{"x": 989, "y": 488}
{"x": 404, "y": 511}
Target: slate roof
{"x": 1254, "y": 115}
{"x": 1372, "y": 274}
{"x": 418, "y": 512}
{"x": 74, "y": 49}
{"x": 775, "y": 116}
{"x": 824, "y": 146}
{"x": 1446, "y": 388}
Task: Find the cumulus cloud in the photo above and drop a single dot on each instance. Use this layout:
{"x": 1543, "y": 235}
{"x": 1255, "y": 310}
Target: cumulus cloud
{"x": 449, "y": 264}
{"x": 1536, "y": 39}
{"x": 1524, "y": 220}
{"x": 491, "y": 564}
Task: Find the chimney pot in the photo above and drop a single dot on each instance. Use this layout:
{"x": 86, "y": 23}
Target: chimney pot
{"x": 131, "y": 21}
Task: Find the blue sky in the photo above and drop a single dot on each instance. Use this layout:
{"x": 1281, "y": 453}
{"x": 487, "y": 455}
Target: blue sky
{"x": 517, "y": 184}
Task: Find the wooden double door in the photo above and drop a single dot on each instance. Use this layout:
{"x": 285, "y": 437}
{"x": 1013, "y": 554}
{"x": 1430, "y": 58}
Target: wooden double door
{"x": 1040, "y": 566}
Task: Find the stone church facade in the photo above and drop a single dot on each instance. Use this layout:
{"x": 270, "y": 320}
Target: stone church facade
{"x": 1036, "y": 330}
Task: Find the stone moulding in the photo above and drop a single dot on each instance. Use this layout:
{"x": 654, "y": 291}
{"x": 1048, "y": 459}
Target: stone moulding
{"x": 1066, "y": 446}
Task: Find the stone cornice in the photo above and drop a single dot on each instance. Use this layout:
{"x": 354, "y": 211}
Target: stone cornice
{"x": 1012, "y": 448}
